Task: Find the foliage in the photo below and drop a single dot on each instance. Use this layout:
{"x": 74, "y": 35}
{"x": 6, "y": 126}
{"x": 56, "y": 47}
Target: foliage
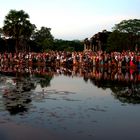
{"x": 43, "y": 38}
{"x": 118, "y": 41}
{"x": 44, "y": 79}
{"x": 22, "y": 36}
{"x": 66, "y": 45}
{"x": 2, "y": 45}
{"x": 18, "y": 26}
{"x": 1, "y": 32}
{"x": 125, "y": 35}
{"x": 129, "y": 26}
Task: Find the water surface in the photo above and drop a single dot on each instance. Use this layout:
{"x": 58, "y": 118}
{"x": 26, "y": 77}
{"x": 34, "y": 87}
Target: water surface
{"x": 74, "y": 103}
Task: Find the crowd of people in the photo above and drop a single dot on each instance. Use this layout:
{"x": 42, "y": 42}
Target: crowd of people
{"x": 85, "y": 58}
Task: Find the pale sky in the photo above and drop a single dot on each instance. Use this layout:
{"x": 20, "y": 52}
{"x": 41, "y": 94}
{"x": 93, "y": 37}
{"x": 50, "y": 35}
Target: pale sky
{"x": 74, "y": 19}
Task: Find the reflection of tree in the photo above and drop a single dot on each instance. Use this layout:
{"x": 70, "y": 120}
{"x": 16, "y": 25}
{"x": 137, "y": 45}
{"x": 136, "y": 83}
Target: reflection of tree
{"x": 123, "y": 83}
{"x": 44, "y": 80}
{"x": 85, "y": 78}
{"x": 16, "y": 102}
{"x": 101, "y": 83}
{"x": 18, "y": 96}
{"x": 127, "y": 94}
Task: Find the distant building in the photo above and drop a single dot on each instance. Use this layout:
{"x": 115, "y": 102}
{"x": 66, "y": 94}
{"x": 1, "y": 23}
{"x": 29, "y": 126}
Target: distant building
{"x": 97, "y": 42}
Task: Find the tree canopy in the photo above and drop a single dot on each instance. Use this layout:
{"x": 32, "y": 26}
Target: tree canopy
{"x": 129, "y": 26}
{"x": 118, "y": 41}
{"x": 24, "y": 36}
{"x": 0, "y": 32}
{"x": 125, "y": 35}
{"x": 17, "y": 26}
{"x": 43, "y": 38}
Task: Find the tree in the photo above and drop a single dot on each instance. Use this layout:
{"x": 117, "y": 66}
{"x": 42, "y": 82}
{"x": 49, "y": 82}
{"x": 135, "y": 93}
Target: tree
{"x": 18, "y": 27}
{"x": 67, "y": 45}
{"x": 118, "y": 41}
{"x": 43, "y": 38}
{"x": 132, "y": 28}
{"x": 129, "y": 26}
{"x": 1, "y": 32}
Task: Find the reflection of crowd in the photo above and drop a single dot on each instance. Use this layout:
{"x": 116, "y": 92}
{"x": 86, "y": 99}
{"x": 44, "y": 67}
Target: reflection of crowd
{"x": 87, "y": 58}
{"x": 97, "y": 73}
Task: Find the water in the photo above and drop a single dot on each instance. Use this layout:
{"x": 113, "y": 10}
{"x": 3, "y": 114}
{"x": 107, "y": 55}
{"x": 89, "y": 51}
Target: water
{"x": 74, "y": 103}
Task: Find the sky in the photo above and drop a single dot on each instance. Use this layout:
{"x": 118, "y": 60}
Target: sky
{"x": 74, "y": 19}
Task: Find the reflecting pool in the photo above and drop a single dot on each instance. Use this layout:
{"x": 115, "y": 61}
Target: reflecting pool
{"x": 69, "y": 103}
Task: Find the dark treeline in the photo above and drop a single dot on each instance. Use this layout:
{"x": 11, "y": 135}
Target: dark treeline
{"x": 18, "y": 34}
{"x": 8, "y": 45}
{"x": 124, "y": 36}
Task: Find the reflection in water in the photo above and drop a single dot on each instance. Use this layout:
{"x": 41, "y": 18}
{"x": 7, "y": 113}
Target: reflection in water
{"x": 124, "y": 83}
{"x": 17, "y": 94}
{"x": 73, "y": 102}
{"x": 127, "y": 94}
